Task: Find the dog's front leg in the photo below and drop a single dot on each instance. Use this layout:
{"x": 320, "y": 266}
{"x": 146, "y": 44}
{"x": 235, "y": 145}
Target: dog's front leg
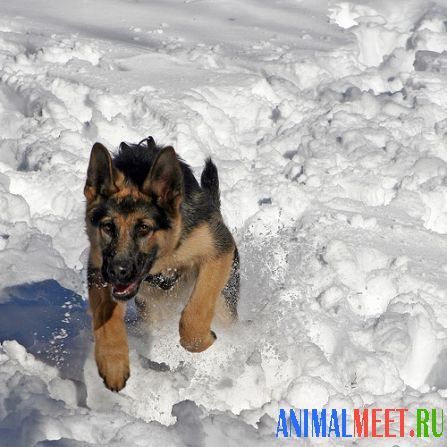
{"x": 111, "y": 347}
{"x": 195, "y": 322}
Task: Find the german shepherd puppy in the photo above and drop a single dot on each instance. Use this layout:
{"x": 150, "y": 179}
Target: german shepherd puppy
{"x": 148, "y": 219}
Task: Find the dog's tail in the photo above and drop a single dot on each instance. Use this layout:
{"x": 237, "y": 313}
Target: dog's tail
{"x": 209, "y": 181}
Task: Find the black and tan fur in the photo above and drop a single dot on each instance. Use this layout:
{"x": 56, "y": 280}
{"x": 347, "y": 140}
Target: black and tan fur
{"x": 149, "y": 219}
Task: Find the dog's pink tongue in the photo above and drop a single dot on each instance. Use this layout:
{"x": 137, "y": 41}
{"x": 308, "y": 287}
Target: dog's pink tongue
{"x": 121, "y": 289}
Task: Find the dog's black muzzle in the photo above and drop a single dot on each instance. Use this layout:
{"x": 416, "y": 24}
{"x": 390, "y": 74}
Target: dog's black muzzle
{"x": 124, "y": 276}
{"x": 121, "y": 271}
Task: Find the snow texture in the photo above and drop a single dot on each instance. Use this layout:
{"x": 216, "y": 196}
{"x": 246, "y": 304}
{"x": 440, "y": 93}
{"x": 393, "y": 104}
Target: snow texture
{"x": 328, "y": 123}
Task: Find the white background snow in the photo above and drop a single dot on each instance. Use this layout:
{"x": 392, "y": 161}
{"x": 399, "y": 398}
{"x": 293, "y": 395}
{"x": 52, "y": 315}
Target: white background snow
{"x": 328, "y": 123}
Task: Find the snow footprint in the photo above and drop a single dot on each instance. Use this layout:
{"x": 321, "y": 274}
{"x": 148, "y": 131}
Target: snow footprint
{"x": 421, "y": 345}
{"x": 365, "y": 273}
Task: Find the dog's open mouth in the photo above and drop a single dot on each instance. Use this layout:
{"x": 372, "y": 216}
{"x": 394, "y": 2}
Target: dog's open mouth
{"x": 124, "y": 292}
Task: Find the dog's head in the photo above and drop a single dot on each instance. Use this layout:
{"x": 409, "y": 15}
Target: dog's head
{"x": 132, "y": 225}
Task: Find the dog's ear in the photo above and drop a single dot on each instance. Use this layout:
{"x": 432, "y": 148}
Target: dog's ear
{"x": 165, "y": 179}
{"x": 101, "y": 175}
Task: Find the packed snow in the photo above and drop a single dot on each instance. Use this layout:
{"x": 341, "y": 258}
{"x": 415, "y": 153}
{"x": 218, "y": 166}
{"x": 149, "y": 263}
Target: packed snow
{"x": 328, "y": 123}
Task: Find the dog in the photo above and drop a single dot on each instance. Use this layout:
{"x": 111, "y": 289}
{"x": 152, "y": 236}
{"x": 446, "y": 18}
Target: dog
{"x": 149, "y": 220}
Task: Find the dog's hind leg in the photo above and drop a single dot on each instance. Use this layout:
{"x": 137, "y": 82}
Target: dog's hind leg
{"x": 195, "y": 322}
{"x": 231, "y": 289}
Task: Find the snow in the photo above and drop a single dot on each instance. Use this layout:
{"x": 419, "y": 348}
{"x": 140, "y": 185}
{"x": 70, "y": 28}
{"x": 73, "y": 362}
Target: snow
{"x": 328, "y": 123}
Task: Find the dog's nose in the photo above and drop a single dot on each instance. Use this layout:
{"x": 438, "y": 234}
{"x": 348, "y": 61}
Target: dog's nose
{"x": 121, "y": 271}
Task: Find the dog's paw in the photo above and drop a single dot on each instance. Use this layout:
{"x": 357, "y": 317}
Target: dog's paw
{"x": 113, "y": 368}
{"x": 198, "y": 343}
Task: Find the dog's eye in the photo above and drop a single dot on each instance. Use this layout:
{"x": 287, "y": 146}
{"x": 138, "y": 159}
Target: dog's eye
{"x": 107, "y": 227}
{"x": 144, "y": 230}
